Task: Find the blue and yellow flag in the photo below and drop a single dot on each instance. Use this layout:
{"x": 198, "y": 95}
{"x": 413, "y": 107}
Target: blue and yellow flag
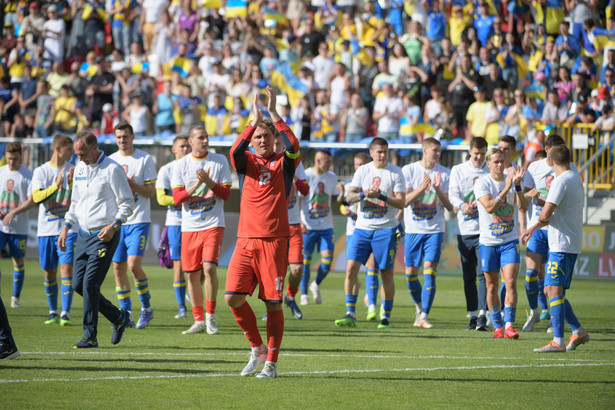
{"x": 603, "y": 38}
{"x": 282, "y": 77}
{"x": 212, "y": 4}
{"x": 274, "y": 15}
{"x": 236, "y": 8}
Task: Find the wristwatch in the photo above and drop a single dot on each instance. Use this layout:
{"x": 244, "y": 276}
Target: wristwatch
{"x": 115, "y": 226}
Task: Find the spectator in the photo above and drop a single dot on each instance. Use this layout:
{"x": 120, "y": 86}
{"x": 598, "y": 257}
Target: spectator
{"x": 436, "y": 26}
{"x": 565, "y": 85}
{"x": 534, "y": 146}
{"x": 606, "y": 122}
{"x": 101, "y": 90}
{"x": 53, "y": 35}
{"x": 9, "y": 106}
{"x": 514, "y": 116}
{"x": 610, "y": 64}
{"x": 495, "y": 115}
{"x": 43, "y": 119}
{"x": 138, "y": 115}
{"x": 568, "y": 46}
{"x": 32, "y": 26}
{"x": 339, "y": 88}
{"x": 20, "y": 129}
{"x": 364, "y": 78}
{"x": 152, "y": 14}
{"x": 555, "y": 112}
{"x": 326, "y": 119}
{"x": 64, "y": 112}
{"x": 411, "y": 118}
{"x": 399, "y": 62}
{"x": 493, "y": 81}
{"x": 476, "y": 116}
{"x": 323, "y": 67}
{"x": 355, "y": 121}
{"x": 384, "y": 77}
{"x": 461, "y": 91}
{"x": 28, "y": 92}
{"x": 580, "y": 112}
{"x": 458, "y": 24}
{"x": 388, "y": 109}
{"x": 95, "y": 17}
{"x": 163, "y": 108}
{"x": 484, "y": 24}
{"x": 76, "y": 44}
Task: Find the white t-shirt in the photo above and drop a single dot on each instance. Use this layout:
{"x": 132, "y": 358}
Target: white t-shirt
{"x": 392, "y": 106}
{"x": 203, "y": 210}
{"x": 374, "y": 213}
{"x": 174, "y": 213}
{"x": 566, "y": 223}
{"x": 154, "y": 9}
{"x": 15, "y": 189}
{"x": 426, "y": 214}
{"x": 461, "y": 190}
{"x": 140, "y": 166}
{"x": 502, "y": 226}
{"x": 540, "y": 175}
{"x": 316, "y": 212}
{"x": 351, "y": 220}
{"x": 294, "y": 210}
{"x": 52, "y": 210}
{"x": 323, "y": 67}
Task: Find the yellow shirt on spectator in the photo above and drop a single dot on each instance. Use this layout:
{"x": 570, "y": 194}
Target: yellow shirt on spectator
{"x": 457, "y": 26}
{"x": 56, "y": 81}
{"x": 476, "y": 115}
{"x": 64, "y": 112}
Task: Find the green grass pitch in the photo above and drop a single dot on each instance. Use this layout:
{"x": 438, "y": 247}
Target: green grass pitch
{"x": 320, "y": 366}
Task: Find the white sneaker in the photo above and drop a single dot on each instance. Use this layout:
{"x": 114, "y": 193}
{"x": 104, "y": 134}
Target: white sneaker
{"x": 212, "y": 326}
{"x": 256, "y": 358}
{"x": 305, "y": 300}
{"x": 532, "y": 319}
{"x": 488, "y": 319}
{"x": 197, "y": 327}
{"x": 269, "y": 371}
{"x": 14, "y": 302}
{"x": 417, "y": 320}
{"x": 550, "y": 327}
{"x": 315, "y": 289}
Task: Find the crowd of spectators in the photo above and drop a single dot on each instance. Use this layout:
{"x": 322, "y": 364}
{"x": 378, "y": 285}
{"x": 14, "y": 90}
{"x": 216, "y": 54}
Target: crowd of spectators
{"x": 401, "y": 69}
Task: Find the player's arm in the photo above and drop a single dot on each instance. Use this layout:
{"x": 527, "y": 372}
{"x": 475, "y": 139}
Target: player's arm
{"x": 222, "y": 191}
{"x": 414, "y": 194}
{"x": 27, "y": 204}
{"x": 147, "y": 190}
{"x": 442, "y": 195}
{"x": 163, "y": 198}
{"x": 492, "y": 204}
{"x": 398, "y": 200}
{"x": 302, "y": 186}
{"x": 123, "y": 195}
{"x": 543, "y": 220}
{"x": 454, "y": 192}
{"x": 40, "y": 195}
{"x": 354, "y": 194}
{"x": 520, "y": 195}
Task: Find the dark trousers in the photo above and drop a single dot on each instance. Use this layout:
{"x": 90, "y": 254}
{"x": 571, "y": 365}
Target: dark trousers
{"x": 469, "y": 251}
{"x": 92, "y": 260}
{"x": 6, "y": 336}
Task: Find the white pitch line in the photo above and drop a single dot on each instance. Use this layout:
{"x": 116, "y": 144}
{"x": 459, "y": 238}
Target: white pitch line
{"x": 315, "y": 372}
{"x": 568, "y": 359}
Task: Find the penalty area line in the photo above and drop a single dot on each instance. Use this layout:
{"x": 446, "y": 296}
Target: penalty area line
{"x": 308, "y": 373}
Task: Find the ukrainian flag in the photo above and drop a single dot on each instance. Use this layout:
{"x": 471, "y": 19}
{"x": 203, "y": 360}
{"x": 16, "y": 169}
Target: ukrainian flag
{"x": 182, "y": 65}
{"x": 603, "y": 38}
{"x": 274, "y": 15}
{"x": 283, "y": 78}
{"x": 534, "y": 91}
{"x": 212, "y": 4}
{"x": 522, "y": 67}
{"x": 89, "y": 9}
{"x": 236, "y": 8}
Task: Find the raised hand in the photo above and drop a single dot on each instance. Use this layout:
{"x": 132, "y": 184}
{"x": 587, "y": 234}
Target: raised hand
{"x": 426, "y": 185}
{"x": 258, "y": 115}
{"x": 71, "y": 172}
{"x": 59, "y": 178}
{"x": 437, "y": 181}
{"x": 518, "y": 177}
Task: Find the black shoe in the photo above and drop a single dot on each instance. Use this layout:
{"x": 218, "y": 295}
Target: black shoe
{"x": 481, "y": 323}
{"x": 86, "y": 343}
{"x": 472, "y": 325}
{"x": 118, "y": 329}
{"x": 8, "y": 352}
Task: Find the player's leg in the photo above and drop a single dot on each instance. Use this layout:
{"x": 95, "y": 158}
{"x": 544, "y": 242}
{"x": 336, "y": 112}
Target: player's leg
{"x": 212, "y": 243}
{"x": 542, "y": 298}
{"x": 179, "y": 281}
{"x": 8, "y": 347}
{"x": 384, "y": 248}
{"x": 326, "y": 248}
{"x": 295, "y": 264}
{"x": 468, "y": 266}
{"x": 48, "y": 260}
{"x": 17, "y": 251}
{"x": 509, "y": 261}
{"x": 490, "y": 265}
{"x": 536, "y": 254}
{"x": 136, "y": 243}
{"x": 357, "y": 255}
{"x": 483, "y": 311}
{"x": 192, "y": 264}
{"x": 240, "y": 282}
{"x": 413, "y": 254}
{"x": 372, "y": 284}
{"x": 309, "y": 243}
{"x": 431, "y": 250}
{"x": 120, "y": 271}
{"x": 66, "y": 260}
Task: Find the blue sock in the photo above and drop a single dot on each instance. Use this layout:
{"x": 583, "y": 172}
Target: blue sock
{"x": 351, "y": 304}
{"x": 371, "y": 286}
{"x": 324, "y": 268}
{"x": 496, "y": 317}
{"x": 386, "y": 307}
{"x": 143, "y": 290}
{"x": 19, "y": 272}
{"x": 571, "y": 318}
{"x": 502, "y": 294}
{"x": 180, "y": 292}
{"x": 305, "y": 279}
{"x": 542, "y": 298}
{"x": 510, "y": 314}
{"x": 51, "y": 290}
{"x": 67, "y": 293}
{"x": 557, "y": 315}
{"x": 531, "y": 287}
{"x": 414, "y": 286}
{"x": 429, "y": 290}
{"x": 124, "y": 298}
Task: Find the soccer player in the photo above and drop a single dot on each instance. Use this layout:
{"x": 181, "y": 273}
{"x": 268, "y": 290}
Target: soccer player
{"x": 498, "y": 206}
{"x": 379, "y": 188}
{"x": 15, "y": 198}
{"x": 463, "y": 198}
{"x": 295, "y": 243}
{"x": 426, "y": 198}
{"x": 8, "y": 348}
{"x": 201, "y": 183}
{"x": 51, "y": 189}
{"x": 164, "y": 195}
{"x": 100, "y": 202}
{"x": 537, "y": 181}
{"x": 261, "y": 253}
{"x": 372, "y": 279}
{"x": 563, "y": 214}
{"x": 317, "y": 217}
{"x": 141, "y": 173}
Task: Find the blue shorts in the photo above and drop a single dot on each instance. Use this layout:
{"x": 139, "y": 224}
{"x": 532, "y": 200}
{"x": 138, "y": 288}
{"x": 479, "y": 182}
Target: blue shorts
{"x": 423, "y": 246}
{"x": 539, "y": 243}
{"x": 493, "y": 258}
{"x": 382, "y": 243}
{"x": 49, "y": 253}
{"x": 559, "y": 269}
{"x": 133, "y": 241}
{"x": 17, "y": 244}
{"x": 174, "y": 232}
{"x": 323, "y": 239}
